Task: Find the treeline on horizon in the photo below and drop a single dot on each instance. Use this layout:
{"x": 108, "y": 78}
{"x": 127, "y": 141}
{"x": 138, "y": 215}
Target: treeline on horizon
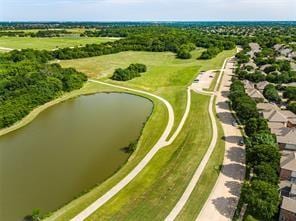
{"x": 68, "y": 24}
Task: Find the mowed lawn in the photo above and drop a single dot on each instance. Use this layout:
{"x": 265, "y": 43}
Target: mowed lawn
{"x": 163, "y": 181}
{"x": 154, "y": 192}
{"x": 49, "y": 43}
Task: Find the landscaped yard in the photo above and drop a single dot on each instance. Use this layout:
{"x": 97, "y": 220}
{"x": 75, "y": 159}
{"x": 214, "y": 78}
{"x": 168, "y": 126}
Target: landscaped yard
{"x": 49, "y": 43}
{"x": 165, "y": 178}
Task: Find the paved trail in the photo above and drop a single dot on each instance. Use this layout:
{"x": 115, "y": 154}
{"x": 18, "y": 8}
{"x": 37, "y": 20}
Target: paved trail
{"x": 224, "y": 197}
{"x": 184, "y": 198}
{"x": 162, "y": 142}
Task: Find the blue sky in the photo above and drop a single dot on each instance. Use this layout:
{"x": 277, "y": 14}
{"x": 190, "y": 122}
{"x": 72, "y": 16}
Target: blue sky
{"x": 146, "y": 10}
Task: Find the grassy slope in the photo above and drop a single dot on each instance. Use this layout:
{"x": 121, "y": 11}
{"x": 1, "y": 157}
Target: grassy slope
{"x": 163, "y": 181}
{"x": 207, "y": 181}
{"x": 48, "y": 43}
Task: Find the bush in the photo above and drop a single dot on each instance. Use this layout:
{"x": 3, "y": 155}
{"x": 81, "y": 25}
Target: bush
{"x": 133, "y": 71}
{"x": 210, "y": 53}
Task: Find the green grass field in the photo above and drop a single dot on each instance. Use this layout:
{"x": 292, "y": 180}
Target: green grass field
{"x": 163, "y": 181}
{"x": 165, "y": 178}
{"x": 207, "y": 180}
{"x": 48, "y": 43}
{"x": 166, "y": 75}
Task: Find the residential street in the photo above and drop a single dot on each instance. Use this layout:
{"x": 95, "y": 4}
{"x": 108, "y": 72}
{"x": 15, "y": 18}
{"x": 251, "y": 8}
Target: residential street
{"x": 222, "y": 202}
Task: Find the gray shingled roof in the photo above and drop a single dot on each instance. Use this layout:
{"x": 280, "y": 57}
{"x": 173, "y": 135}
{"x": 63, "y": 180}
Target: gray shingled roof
{"x": 267, "y": 107}
{"x": 288, "y": 161}
{"x": 286, "y": 135}
{"x": 253, "y": 93}
{"x": 280, "y": 116}
{"x": 289, "y": 204}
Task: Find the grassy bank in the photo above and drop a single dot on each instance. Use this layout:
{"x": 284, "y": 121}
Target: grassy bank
{"x": 207, "y": 180}
{"x": 164, "y": 179}
{"x": 49, "y": 43}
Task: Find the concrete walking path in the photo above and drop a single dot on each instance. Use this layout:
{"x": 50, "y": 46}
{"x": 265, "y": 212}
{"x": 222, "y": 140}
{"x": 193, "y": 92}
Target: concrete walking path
{"x": 184, "y": 198}
{"x": 6, "y": 49}
{"x": 162, "y": 142}
{"x": 224, "y": 197}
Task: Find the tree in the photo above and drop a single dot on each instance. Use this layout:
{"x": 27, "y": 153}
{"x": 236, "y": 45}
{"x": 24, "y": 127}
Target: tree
{"x": 292, "y": 107}
{"x": 184, "y": 54}
{"x": 290, "y": 93}
{"x": 271, "y": 94}
{"x": 133, "y": 71}
{"x": 262, "y": 199}
{"x": 255, "y": 125}
{"x": 267, "y": 173}
{"x": 263, "y": 153}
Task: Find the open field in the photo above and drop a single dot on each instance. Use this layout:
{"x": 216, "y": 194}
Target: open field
{"x": 207, "y": 180}
{"x": 49, "y": 43}
{"x": 163, "y": 180}
{"x": 169, "y": 78}
{"x": 166, "y": 75}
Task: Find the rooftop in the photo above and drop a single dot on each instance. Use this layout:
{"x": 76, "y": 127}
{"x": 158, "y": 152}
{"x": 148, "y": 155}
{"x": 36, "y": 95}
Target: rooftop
{"x": 280, "y": 116}
{"x": 288, "y": 161}
{"x": 253, "y": 93}
{"x": 289, "y": 204}
{"x": 286, "y": 135}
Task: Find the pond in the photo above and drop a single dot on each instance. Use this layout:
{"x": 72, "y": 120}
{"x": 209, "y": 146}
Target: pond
{"x": 67, "y": 149}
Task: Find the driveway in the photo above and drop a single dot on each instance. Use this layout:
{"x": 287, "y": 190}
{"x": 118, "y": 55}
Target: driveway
{"x": 224, "y": 197}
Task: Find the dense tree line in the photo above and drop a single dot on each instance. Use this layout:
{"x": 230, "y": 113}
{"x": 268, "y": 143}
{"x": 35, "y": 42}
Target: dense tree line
{"x": 132, "y": 71}
{"x": 262, "y": 157}
{"x": 13, "y": 33}
{"x": 27, "y": 84}
{"x": 38, "y": 34}
{"x": 49, "y": 33}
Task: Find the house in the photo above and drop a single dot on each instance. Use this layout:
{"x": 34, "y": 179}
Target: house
{"x": 255, "y": 95}
{"x": 262, "y": 68}
{"x": 261, "y": 85}
{"x": 265, "y": 107}
{"x": 288, "y": 166}
{"x": 251, "y": 64}
{"x": 277, "y": 47}
{"x": 255, "y": 48}
{"x": 248, "y": 84}
{"x": 282, "y": 118}
{"x": 288, "y": 209}
{"x": 286, "y": 138}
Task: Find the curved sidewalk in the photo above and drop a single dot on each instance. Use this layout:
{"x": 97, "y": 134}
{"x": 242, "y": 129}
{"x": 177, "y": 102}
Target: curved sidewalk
{"x": 184, "y": 198}
{"x": 162, "y": 142}
{"x": 224, "y": 197}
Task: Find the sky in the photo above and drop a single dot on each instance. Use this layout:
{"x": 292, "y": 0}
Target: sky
{"x": 147, "y": 10}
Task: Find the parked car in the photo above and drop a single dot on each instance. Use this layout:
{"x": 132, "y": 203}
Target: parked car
{"x": 234, "y": 123}
{"x": 241, "y": 142}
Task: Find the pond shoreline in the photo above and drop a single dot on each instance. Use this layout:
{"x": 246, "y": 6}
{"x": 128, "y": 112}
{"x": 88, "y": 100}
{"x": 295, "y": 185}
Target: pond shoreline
{"x": 64, "y": 97}
{"x": 85, "y": 91}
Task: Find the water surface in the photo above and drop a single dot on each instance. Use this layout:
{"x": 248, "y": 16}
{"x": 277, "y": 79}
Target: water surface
{"x": 66, "y": 150}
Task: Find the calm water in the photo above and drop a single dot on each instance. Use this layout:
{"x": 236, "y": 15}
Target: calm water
{"x": 67, "y": 149}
